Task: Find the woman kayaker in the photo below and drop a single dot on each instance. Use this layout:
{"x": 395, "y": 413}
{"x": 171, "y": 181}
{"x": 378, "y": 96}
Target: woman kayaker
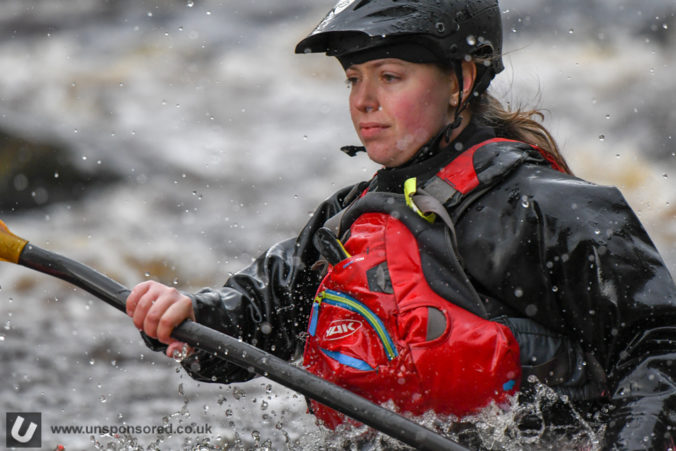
{"x": 470, "y": 263}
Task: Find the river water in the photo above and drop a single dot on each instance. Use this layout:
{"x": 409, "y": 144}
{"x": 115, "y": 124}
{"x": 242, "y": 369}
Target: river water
{"x": 222, "y": 142}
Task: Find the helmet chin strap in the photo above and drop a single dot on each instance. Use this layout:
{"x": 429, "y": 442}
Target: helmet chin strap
{"x": 462, "y": 104}
{"x": 479, "y": 86}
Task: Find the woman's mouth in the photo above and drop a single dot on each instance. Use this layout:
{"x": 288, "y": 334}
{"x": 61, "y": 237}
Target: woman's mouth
{"x": 371, "y": 129}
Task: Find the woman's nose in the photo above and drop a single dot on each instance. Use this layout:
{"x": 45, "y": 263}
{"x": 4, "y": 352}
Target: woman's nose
{"x": 364, "y": 98}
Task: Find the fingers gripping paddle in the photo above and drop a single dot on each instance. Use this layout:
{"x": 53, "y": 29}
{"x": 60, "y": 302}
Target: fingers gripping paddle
{"x": 17, "y": 250}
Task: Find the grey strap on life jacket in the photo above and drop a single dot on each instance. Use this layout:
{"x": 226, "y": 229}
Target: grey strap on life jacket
{"x": 333, "y": 223}
{"x": 428, "y": 204}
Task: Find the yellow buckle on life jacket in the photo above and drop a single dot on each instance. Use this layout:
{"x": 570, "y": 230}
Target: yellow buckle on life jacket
{"x": 410, "y": 190}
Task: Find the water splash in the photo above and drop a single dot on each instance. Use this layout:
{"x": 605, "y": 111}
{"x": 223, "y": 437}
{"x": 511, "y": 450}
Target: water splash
{"x": 544, "y": 420}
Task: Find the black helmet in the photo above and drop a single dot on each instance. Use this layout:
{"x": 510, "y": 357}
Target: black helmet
{"x": 450, "y": 29}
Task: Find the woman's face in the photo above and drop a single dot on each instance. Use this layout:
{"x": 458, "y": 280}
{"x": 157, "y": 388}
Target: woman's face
{"x": 397, "y": 106}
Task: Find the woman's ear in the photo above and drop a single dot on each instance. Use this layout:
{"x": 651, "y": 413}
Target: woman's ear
{"x": 468, "y": 79}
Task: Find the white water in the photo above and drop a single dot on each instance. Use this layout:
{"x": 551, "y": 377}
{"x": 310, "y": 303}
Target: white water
{"x": 227, "y": 141}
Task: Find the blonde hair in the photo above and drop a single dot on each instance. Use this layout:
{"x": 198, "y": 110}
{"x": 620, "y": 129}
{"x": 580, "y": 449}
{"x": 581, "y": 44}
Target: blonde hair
{"x": 520, "y": 125}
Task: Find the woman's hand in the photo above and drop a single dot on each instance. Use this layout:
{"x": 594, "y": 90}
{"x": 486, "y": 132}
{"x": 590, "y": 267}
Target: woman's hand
{"x": 157, "y": 309}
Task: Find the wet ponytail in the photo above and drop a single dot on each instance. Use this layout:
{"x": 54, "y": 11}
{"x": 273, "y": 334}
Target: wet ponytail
{"x": 520, "y": 125}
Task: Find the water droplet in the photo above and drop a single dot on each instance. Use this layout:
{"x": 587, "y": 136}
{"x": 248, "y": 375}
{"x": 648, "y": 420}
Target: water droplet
{"x": 525, "y": 203}
{"x": 266, "y": 327}
{"x": 602, "y": 137}
{"x": 531, "y": 309}
{"x": 571, "y": 31}
{"x": 471, "y": 40}
{"x": 103, "y": 399}
{"x": 190, "y": 4}
{"x": 518, "y": 292}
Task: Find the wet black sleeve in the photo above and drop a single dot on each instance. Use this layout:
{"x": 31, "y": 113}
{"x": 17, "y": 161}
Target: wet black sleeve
{"x": 574, "y": 257}
{"x": 266, "y": 304}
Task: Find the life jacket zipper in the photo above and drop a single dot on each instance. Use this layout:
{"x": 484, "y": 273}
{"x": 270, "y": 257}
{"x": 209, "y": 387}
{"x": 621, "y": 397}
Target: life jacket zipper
{"x": 342, "y": 300}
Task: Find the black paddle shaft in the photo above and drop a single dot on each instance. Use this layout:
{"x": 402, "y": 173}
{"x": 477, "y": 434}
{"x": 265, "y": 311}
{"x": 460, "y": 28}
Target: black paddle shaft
{"x": 246, "y": 356}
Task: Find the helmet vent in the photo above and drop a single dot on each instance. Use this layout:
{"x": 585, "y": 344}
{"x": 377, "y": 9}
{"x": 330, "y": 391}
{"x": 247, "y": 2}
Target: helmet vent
{"x": 395, "y": 11}
{"x": 361, "y": 3}
{"x": 366, "y": 2}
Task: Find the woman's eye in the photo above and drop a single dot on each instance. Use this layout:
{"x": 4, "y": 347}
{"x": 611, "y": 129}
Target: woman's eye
{"x": 390, "y": 77}
{"x": 350, "y": 81}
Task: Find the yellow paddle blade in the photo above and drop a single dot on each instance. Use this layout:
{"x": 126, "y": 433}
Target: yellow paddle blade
{"x": 11, "y": 245}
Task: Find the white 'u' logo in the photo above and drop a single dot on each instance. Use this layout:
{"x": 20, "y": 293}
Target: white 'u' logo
{"x": 23, "y": 438}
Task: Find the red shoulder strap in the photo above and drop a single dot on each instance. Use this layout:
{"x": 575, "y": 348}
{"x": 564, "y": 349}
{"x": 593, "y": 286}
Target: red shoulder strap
{"x": 461, "y": 175}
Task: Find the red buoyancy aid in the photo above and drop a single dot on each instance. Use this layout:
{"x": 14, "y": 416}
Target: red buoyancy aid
{"x": 379, "y": 326}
